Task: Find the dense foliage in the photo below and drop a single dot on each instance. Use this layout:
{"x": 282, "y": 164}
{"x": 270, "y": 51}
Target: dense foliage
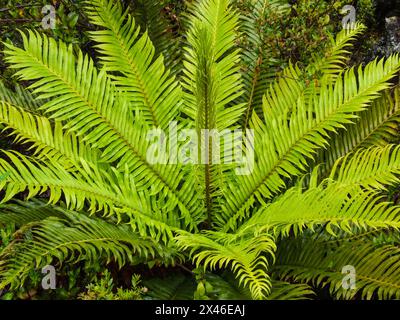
{"x": 80, "y": 192}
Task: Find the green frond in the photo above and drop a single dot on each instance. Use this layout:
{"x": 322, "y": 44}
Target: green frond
{"x": 244, "y": 255}
{"x": 48, "y": 139}
{"x": 88, "y": 103}
{"x": 286, "y": 139}
{"x": 68, "y": 82}
{"x": 71, "y": 239}
{"x": 111, "y": 193}
{"x": 291, "y": 85}
{"x": 337, "y": 207}
{"x": 370, "y": 234}
{"x": 377, "y": 269}
{"x": 93, "y": 142}
{"x": 211, "y": 76}
{"x": 152, "y": 19}
{"x": 376, "y": 126}
{"x": 19, "y": 96}
{"x": 21, "y": 213}
{"x": 211, "y": 82}
{"x": 282, "y": 290}
{"x": 149, "y": 87}
{"x": 386, "y": 131}
{"x": 375, "y": 167}
{"x": 331, "y": 63}
{"x": 225, "y": 287}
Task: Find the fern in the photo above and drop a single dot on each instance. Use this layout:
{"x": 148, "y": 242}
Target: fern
{"x": 376, "y": 126}
{"x": 275, "y": 232}
{"x": 21, "y": 213}
{"x": 377, "y": 269}
{"x": 283, "y": 149}
{"x": 82, "y": 238}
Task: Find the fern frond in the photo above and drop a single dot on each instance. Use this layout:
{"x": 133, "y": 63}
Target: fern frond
{"x": 283, "y": 290}
{"x": 173, "y": 287}
{"x": 71, "y": 239}
{"x": 152, "y": 19}
{"x": 211, "y": 81}
{"x": 375, "y": 167}
{"x": 20, "y": 213}
{"x": 226, "y": 287}
{"x": 376, "y": 126}
{"x": 377, "y": 269}
{"x": 257, "y": 67}
{"x": 112, "y": 193}
{"x": 211, "y": 66}
{"x": 287, "y": 139}
{"x": 245, "y": 256}
{"x": 87, "y": 102}
{"x": 148, "y": 85}
{"x": 336, "y": 207}
{"x": 292, "y": 84}
{"x": 20, "y": 97}
{"x": 331, "y": 63}
{"x": 49, "y": 140}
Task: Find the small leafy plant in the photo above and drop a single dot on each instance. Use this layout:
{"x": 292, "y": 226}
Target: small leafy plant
{"x": 103, "y": 289}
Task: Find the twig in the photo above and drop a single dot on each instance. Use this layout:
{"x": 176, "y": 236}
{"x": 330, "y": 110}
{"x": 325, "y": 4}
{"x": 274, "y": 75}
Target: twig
{"x": 17, "y": 20}
{"x": 21, "y": 6}
{"x": 184, "y": 268}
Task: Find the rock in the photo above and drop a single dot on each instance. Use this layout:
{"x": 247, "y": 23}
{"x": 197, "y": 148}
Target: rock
{"x": 386, "y": 30}
{"x": 392, "y": 29}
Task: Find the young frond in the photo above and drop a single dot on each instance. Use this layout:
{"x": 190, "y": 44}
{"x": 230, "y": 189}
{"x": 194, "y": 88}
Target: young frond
{"x": 211, "y": 82}
{"x": 211, "y": 76}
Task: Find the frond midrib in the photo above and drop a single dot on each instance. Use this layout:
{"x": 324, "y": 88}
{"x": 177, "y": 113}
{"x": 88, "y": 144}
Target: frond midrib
{"x": 94, "y": 239}
{"x": 107, "y": 196}
{"x": 175, "y": 194}
{"x": 248, "y": 198}
{"x": 138, "y": 76}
